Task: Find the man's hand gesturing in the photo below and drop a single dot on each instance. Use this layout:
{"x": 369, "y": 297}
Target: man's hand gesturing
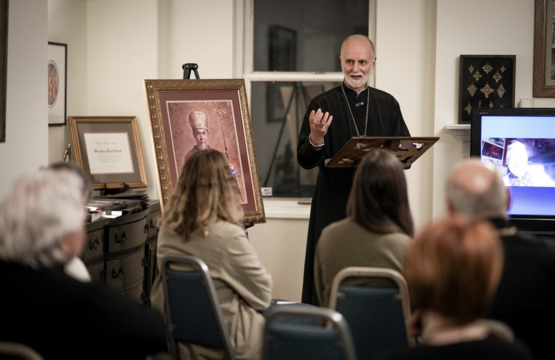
{"x": 319, "y": 124}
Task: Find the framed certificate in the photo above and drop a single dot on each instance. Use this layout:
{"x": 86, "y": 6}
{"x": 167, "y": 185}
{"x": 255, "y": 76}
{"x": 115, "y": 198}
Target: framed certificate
{"x": 108, "y": 149}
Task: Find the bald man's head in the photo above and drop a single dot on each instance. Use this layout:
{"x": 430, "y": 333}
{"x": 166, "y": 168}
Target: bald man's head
{"x": 476, "y": 190}
{"x": 360, "y": 39}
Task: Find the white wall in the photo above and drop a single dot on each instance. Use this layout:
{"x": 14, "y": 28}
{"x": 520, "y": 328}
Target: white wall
{"x": 405, "y": 67}
{"x": 281, "y": 247}
{"x": 129, "y": 41}
{"x": 26, "y": 146}
{"x": 122, "y": 46}
{"x": 67, "y": 24}
{"x": 196, "y": 32}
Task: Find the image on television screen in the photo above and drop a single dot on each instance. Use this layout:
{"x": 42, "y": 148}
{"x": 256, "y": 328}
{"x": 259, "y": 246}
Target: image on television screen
{"x": 522, "y": 161}
{"x": 521, "y": 144}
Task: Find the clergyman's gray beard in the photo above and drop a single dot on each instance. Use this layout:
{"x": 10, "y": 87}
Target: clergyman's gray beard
{"x": 352, "y": 85}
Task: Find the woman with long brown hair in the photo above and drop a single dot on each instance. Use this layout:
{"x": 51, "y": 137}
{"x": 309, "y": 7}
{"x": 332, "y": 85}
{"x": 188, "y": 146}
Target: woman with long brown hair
{"x": 204, "y": 219}
{"x": 378, "y": 227}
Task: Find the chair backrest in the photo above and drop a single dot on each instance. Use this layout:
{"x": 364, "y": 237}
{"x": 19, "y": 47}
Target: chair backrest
{"x": 192, "y": 310}
{"x": 376, "y": 316}
{"x": 18, "y": 350}
{"x": 327, "y": 339}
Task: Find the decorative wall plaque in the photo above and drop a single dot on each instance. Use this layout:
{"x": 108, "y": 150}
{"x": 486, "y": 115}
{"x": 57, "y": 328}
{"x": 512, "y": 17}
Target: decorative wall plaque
{"x": 486, "y": 77}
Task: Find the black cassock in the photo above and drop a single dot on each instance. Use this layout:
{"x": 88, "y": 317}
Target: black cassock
{"x": 334, "y": 185}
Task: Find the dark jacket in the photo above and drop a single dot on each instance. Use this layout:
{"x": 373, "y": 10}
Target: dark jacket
{"x": 526, "y": 295}
{"x": 62, "y": 318}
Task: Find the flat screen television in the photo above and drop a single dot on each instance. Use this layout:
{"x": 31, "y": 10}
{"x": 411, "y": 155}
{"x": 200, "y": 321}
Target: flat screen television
{"x": 521, "y": 144}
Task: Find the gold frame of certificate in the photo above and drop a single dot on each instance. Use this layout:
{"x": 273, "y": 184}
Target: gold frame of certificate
{"x": 108, "y": 149}
{"x": 181, "y": 109}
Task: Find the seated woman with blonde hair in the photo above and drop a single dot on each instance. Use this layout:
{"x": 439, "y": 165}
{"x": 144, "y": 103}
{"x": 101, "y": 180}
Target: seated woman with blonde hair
{"x": 204, "y": 219}
{"x": 377, "y": 231}
{"x": 452, "y": 271}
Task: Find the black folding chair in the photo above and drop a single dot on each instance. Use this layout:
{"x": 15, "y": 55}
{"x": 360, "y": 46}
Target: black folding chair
{"x": 192, "y": 310}
{"x": 376, "y": 316}
{"x": 17, "y": 350}
{"x": 327, "y": 339}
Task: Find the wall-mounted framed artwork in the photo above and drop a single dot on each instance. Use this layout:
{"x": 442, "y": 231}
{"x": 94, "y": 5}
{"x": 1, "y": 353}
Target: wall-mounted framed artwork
{"x": 188, "y": 115}
{"x": 57, "y": 83}
{"x": 486, "y": 81}
{"x": 3, "y": 65}
{"x": 544, "y": 49}
{"x": 108, "y": 149}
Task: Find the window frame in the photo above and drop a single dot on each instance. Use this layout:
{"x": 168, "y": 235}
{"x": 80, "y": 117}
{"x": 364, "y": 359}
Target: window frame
{"x": 244, "y": 68}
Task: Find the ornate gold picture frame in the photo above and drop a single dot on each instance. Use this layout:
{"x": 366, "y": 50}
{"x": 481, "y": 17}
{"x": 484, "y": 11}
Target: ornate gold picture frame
{"x": 108, "y": 149}
{"x": 222, "y": 106}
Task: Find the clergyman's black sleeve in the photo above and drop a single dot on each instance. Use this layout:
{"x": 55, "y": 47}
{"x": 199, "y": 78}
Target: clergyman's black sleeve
{"x": 400, "y": 127}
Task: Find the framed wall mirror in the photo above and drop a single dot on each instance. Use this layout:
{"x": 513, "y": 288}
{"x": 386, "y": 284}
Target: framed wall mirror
{"x": 544, "y": 49}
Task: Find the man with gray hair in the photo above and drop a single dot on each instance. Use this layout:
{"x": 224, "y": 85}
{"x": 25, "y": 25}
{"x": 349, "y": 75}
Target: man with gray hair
{"x": 42, "y": 228}
{"x": 525, "y": 297}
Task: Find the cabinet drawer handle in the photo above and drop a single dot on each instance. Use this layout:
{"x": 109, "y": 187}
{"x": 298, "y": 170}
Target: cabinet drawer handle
{"x": 120, "y": 239}
{"x": 146, "y": 229}
{"x": 144, "y": 262}
{"x": 144, "y": 297}
{"x": 94, "y": 244}
{"x": 118, "y": 274}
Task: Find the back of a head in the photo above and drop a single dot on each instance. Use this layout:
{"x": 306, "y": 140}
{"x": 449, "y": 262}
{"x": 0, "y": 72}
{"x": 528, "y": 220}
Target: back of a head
{"x": 39, "y": 211}
{"x": 378, "y": 200}
{"x": 74, "y": 168}
{"x": 206, "y": 191}
{"x": 453, "y": 268}
{"x": 476, "y": 190}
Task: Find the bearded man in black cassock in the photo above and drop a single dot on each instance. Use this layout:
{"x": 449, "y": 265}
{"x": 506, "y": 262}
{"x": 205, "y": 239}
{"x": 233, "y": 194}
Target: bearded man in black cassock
{"x": 356, "y": 110}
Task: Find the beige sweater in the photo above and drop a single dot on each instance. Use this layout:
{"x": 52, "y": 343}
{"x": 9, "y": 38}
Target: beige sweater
{"x": 345, "y": 243}
{"x": 237, "y": 274}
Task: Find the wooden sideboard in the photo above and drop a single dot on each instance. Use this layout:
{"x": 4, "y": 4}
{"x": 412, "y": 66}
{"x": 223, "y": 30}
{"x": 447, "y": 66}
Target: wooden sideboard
{"x": 121, "y": 252}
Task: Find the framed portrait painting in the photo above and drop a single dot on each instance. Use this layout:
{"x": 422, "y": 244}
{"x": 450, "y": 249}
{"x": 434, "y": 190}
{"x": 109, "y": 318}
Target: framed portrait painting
{"x": 188, "y": 115}
{"x": 57, "y": 83}
{"x": 108, "y": 149}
